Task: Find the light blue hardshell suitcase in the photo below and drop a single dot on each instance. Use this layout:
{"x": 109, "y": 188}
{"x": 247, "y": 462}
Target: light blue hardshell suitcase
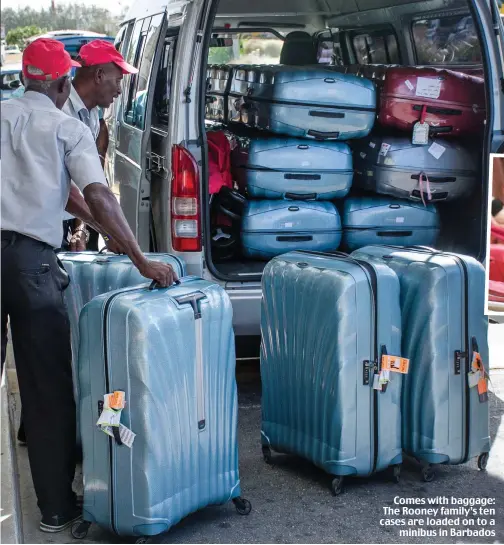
{"x": 382, "y": 220}
{"x": 307, "y": 102}
{"x": 289, "y": 168}
{"x": 326, "y": 321}
{"x": 172, "y": 352}
{"x": 94, "y": 273}
{"x": 443, "y": 324}
{"x": 270, "y": 228}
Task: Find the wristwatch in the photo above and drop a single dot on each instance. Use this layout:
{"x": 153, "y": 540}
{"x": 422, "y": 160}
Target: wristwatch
{"x": 83, "y": 230}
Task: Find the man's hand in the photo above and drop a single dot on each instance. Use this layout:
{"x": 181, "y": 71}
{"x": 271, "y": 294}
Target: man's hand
{"x": 78, "y": 241}
{"x": 162, "y": 273}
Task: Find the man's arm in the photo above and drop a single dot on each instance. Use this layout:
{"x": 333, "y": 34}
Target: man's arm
{"x": 82, "y": 162}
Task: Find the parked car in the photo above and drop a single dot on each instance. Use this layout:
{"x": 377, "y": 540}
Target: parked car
{"x": 10, "y": 80}
{"x": 158, "y": 158}
{"x": 73, "y": 40}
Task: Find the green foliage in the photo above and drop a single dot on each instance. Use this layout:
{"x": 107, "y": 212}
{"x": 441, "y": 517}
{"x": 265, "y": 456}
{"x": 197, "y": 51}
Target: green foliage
{"x": 65, "y": 17}
{"x": 18, "y": 36}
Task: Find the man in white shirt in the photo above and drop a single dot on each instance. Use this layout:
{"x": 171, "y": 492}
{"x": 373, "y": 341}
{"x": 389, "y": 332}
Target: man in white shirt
{"x": 94, "y": 87}
{"x": 42, "y": 150}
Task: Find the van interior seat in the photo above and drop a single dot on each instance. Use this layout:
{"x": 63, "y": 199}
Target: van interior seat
{"x": 298, "y": 49}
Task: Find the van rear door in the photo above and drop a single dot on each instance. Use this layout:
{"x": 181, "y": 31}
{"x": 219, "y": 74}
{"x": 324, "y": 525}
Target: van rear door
{"x": 132, "y": 160}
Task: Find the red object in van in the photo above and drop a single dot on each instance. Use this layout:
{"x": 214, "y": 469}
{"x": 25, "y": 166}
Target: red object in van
{"x": 455, "y": 102}
{"x": 497, "y": 262}
{"x": 496, "y": 291}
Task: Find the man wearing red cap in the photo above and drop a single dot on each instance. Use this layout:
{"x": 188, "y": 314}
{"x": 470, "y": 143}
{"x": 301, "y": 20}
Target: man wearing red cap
{"x": 95, "y": 85}
{"x": 42, "y": 150}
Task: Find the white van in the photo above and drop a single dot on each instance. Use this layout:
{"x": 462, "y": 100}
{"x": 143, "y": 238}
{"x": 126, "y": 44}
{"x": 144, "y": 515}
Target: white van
{"x": 158, "y": 145}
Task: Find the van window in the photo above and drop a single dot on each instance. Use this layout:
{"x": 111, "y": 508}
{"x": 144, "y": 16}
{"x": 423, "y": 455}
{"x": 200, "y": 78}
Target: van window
{"x": 141, "y": 54}
{"x": 119, "y": 42}
{"x": 162, "y": 91}
{"x": 376, "y": 48}
{"x": 246, "y": 48}
{"x": 446, "y": 40}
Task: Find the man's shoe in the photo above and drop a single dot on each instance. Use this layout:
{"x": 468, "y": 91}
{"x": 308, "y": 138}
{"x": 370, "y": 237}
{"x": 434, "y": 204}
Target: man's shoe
{"x": 21, "y": 436}
{"x": 57, "y": 523}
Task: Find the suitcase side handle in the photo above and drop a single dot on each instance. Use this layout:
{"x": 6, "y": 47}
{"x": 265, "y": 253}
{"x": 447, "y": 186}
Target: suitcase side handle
{"x": 291, "y": 176}
{"x": 436, "y": 179}
{"x": 294, "y": 238}
{"x": 394, "y": 233}
{"x": 299, "y": 197}
{"x": 323, "y": 135}
{"x": 155, "y": 284}
{"x": 328, "y": 115}
{"x": 440, "y": 130}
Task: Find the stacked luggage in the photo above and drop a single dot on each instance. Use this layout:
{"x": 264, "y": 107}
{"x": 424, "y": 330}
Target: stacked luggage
{"x": 416, "y": 152}
{"x": 291, "y": 177}
{"x": 156, "y": 395}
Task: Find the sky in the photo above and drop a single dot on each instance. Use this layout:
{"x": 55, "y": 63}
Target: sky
{"x": 114, "y": 7}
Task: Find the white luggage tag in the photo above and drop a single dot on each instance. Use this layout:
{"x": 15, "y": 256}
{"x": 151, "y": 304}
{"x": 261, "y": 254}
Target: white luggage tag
{"x": 421, "y": 130}
{"x": 109, "y": 420}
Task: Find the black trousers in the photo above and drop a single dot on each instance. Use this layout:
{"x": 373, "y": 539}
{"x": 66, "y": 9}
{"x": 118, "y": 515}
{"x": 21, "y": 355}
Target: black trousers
{"x": 32, "y": 300}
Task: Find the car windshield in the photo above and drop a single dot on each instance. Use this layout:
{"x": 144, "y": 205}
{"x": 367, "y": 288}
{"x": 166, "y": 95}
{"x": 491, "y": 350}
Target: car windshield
{"x": 245, "y": 48}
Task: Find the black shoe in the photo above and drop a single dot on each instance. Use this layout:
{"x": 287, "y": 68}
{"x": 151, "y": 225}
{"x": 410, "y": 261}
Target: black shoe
{"x": 57, "y": 523}
{"x": 21, "y": 437}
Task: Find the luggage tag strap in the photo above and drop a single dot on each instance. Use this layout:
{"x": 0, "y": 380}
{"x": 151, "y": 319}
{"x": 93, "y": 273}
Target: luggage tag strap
{"x": 423, "y": 114}
{"x": 423, "y": 178}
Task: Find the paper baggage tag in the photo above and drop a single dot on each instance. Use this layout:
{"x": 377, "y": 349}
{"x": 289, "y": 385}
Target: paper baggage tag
{"x": 479, "y": 377}
{"x": 116, "y": 400}
{"x": 372, "y": 145}
{"x": 362, "y": 154}
{"x": 384, "y": 149}
{"x": 420, "y": 134}
{"x": 473, "y": 378}
{"x": 428, "y": 87}
{"x": 109, "y": 417}
{"x": 436, "y": 150}
{"x": 126, "y": 435}
{"x": 376, "y": 382}
{"x": 395, "y": 364}
{"x": 409, "y": 85}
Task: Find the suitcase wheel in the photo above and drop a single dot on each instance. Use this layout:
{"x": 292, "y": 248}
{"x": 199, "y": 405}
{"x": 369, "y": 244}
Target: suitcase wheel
{"x": 482, "y": 461}
{"x": 428, "y": 473}
{"x": 266, "y": 451}
{"x": 337, "y": 486}
{"x": 396, "y": 474}
{"x": 243, "y": 506}
{"x": 80, "y": 529}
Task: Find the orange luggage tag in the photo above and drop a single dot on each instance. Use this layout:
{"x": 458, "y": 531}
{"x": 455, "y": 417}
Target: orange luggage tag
{"x": 478, "y": 377}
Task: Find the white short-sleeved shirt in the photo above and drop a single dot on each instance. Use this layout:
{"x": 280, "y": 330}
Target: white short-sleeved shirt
{"x": 43, "y": 149}
{"x": 75, "y": 107}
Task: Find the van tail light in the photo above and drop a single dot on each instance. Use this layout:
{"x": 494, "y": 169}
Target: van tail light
{"x": 185, "y": 202}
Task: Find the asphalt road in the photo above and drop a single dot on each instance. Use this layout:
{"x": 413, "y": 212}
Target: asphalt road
{"x": 291, "y": 499}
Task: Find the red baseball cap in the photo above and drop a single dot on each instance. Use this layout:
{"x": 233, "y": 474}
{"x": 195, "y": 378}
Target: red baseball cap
{"x": 46, "y": 59}
{"x": 102, "y": 52}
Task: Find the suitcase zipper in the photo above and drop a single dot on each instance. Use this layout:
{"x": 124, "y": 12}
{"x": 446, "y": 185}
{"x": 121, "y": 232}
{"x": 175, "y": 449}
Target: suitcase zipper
{"x": 376, "y": 360}
{"x": 251, "y": 98}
